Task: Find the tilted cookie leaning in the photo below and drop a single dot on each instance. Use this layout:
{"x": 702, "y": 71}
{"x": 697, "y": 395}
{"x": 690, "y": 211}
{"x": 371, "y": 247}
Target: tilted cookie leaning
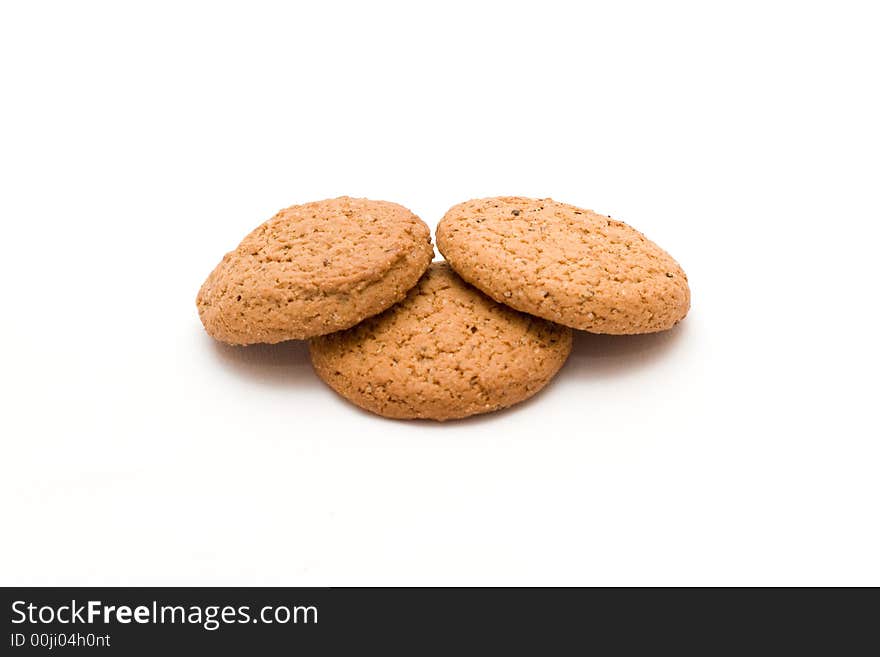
{"x": 565, "y": 264}
{"x": 314, "y": 269}
{"x": 446, "y": 351}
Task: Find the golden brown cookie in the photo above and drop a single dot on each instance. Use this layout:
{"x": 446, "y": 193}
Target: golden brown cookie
{"x": 446, "y": 351}
{"x": 314, "y": 269}
{"x": 565, "y": 264}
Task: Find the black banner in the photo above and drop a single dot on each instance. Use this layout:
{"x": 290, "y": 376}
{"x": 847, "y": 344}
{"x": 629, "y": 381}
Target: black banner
{"x": 135, "y": 621}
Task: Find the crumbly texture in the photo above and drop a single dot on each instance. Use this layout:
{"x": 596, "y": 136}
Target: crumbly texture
{"x": 447, "y": 351}
{"x": 565, "y": 264}
{"x": 314, "y": 269}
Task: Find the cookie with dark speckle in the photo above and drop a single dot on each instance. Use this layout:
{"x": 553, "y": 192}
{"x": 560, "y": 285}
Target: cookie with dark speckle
{"x": 446, "y": 351}
{"x": 565, "y": 264}
{"x": 314, "y": 269}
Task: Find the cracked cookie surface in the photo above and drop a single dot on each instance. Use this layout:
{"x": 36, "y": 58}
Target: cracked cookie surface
{"x": 446, "y": 351}
{"x": 314, "y": 269}
{"x": 566, "y": 264}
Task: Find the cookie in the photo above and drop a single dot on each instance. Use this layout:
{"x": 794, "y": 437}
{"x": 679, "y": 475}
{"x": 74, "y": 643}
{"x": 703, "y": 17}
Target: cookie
{"x": 446, "y": 351}
{"x": 314, "y": 269}
{"x": 565, "y": 264}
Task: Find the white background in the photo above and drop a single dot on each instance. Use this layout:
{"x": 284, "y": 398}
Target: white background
{"x": 141, "y": 143}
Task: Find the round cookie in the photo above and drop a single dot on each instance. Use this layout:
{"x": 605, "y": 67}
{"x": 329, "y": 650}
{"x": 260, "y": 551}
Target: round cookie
{"x": 446, "y": 351}
{"x": 314, "y": 269}
{"x": 565, "y": 264}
